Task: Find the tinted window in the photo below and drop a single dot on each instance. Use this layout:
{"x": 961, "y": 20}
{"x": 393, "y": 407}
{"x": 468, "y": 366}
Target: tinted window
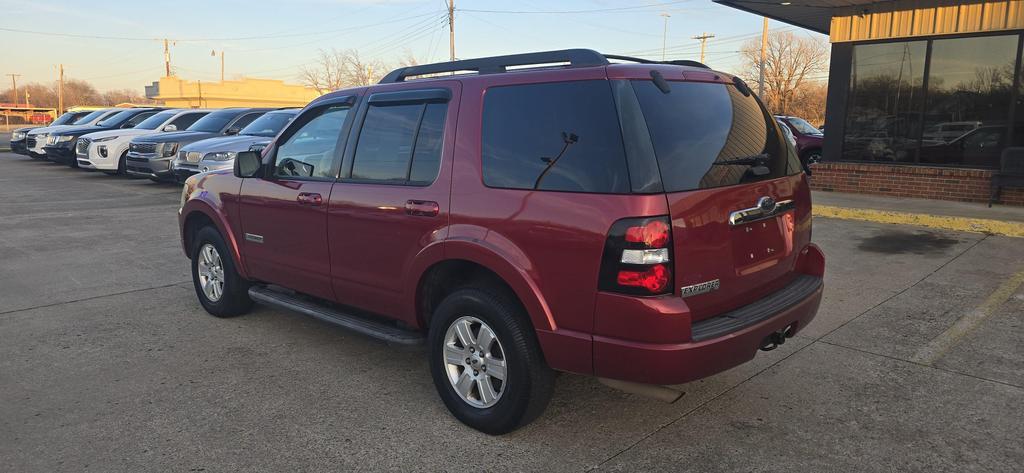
{"x": 155, "y": 121}
{"x": 186, "y": 120}
{"x": 246, "y": 120}
{"x": 90, "y": 117}
{"x": 385, "y": 151}
{"x": 137, "y": 119}
{"x": 67, "y": 118}
{"x": 312, "y": 150}
{"x": 886, "y": 94}
{"x": 214, "y": 122}
{"x": 269, "y": 124}
{"x": 562, "y": 137}
{"x": 116, "y": 118}
{"x": 698, "y": 128}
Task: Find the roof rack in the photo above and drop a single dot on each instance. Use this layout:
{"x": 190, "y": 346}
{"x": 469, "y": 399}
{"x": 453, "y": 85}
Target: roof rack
{"x": 675, "y": 62}
{"x": 499, "y": 64}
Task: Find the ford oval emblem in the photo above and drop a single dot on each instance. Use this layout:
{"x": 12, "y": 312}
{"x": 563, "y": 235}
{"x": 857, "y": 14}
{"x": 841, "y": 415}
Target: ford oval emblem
{"x": 766, "y": 204}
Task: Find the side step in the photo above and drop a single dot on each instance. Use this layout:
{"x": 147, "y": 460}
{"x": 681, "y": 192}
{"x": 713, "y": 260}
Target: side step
{"x": 371, "y": 328}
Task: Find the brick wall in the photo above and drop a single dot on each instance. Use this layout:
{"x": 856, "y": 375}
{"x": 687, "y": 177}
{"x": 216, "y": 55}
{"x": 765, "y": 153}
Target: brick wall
{"x": 966, "y": 185}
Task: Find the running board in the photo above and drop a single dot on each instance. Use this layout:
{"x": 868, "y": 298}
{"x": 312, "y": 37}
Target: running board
{"x": 363, "y": 325}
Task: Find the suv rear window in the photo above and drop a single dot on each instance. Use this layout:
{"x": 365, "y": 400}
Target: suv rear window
{"x": 560, "y": 136}
{"x": 697, "y": 128}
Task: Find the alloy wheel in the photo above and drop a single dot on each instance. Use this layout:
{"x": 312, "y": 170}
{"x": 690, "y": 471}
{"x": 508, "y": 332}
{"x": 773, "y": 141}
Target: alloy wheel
{"x": 475, "y": 362}
{"x": 211, "y": 272}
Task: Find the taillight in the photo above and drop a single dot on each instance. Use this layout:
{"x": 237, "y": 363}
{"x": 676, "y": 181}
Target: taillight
{"x": 638, "y": 257}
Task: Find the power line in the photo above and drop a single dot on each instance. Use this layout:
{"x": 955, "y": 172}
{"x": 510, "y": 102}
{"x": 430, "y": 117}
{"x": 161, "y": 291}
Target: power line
{"x": 595, "y": 10}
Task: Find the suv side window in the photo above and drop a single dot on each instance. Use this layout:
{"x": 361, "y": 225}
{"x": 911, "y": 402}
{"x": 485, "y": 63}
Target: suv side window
{"x": 131, "y": 122}
{"x": 560, "y": 136}
{"x": 246, "y": 119}
{"x": 400, "y": 144}
{"x": 312, "y": 150}
{"x": 186, "y": 120}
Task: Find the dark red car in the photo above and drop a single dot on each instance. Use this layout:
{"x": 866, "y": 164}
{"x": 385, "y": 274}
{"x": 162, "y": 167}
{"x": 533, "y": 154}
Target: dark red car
{"x": 639, "y": 221}
{"x": 809, "y": 139}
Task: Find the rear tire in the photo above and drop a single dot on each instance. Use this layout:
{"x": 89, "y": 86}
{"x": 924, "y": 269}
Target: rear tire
{"x": 519, "y": 383}
{"x": 220, "y": 289}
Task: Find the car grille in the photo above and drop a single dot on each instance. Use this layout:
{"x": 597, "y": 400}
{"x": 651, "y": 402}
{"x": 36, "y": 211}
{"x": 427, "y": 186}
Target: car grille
{"x": 193, "y": 156}
{"x": 147, "y": 148}
{"x": 30, "y": 142}
{"x": 82, "y": 147}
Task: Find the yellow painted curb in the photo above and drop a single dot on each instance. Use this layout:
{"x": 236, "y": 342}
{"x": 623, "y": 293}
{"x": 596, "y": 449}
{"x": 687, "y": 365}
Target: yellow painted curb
{"x": 960, "y": 224}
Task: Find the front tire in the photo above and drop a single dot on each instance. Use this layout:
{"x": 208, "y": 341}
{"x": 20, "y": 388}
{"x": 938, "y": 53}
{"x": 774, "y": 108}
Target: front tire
{"x": 220, "y": 289}
{"x": 486, "y": 362}
{"x": 122, "y": 164}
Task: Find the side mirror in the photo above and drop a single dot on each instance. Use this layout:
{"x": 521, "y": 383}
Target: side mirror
{"x": 233, "y": 131}
{"x": 171, "y": 128}
{"x": 248, "y": 164}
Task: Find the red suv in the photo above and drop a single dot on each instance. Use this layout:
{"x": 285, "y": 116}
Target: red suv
{"x": 521, "y": 215}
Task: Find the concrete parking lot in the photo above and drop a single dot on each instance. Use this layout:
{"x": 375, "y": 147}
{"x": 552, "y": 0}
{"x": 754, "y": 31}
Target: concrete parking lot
{"x": 108, "y": 363}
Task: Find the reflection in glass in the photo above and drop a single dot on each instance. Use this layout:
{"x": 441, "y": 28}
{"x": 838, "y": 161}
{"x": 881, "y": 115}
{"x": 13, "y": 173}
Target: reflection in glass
{"x": 883, "y": 119}
{"x": 969, "y": 92}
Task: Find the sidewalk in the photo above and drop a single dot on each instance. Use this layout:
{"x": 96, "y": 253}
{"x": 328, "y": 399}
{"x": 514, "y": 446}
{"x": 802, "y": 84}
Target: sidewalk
{"x": 958, "y": 216}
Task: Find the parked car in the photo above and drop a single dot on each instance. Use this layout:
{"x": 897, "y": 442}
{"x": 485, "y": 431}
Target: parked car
{"x": 35, "y": 140}
{"x": 62, "y": 145}
{"x": 108, "y": 150}
{"x": 809, "y": 139}
{"x": 219, "y": 153}
{"x": 19, "y": 135}
{"x": 151, "y": 155}
{"x": 949, "y": 131}
{"x": 575, "y": 218}
{"x": 981, "y": 147}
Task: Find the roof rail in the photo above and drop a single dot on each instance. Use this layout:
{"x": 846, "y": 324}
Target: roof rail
{"x": 499, "y": 64}
{"x": 675, "y": 62}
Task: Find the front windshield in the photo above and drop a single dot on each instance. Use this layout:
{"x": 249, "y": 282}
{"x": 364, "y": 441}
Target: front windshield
{"x": 802, "y": 126}
{"x": 155, "y": 121}
{"x": 90, "y": 117}
{"x": 214, "y": 122}
{"x": 268, "y": 125}
{"x": 116, "y": 118}
{"x": 65, "y": 119}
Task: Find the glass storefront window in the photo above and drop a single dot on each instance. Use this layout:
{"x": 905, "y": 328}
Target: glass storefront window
{"x": 886, "y": 94}
{"x": 970, "y": 82}
{"x": 960, "y": 120}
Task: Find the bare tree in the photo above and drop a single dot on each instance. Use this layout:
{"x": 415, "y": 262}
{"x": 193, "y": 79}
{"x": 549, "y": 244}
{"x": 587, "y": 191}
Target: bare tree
{"x": 336, "y": 69}
{"x": 791, "y": 61}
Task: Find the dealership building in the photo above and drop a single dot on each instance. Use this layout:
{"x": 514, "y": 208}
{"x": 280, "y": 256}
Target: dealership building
{"x": 923, "y": 95}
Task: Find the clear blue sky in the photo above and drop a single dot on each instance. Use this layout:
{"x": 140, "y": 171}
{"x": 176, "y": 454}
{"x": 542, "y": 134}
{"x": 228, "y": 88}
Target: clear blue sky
{"x": 272, "y": 39}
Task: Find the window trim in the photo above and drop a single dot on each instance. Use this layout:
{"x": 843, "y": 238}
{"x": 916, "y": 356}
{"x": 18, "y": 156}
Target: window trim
{"x": 423, "y": 97}
{"x": 300, "y": 120}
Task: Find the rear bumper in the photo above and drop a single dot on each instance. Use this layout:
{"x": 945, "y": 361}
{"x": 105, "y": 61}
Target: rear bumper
{"x": 676, "y": 363}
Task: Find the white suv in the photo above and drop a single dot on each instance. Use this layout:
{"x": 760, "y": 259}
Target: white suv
{"x": 106, "y": 150}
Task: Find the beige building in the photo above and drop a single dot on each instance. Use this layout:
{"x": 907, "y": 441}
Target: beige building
{"x": 176, "y": 92}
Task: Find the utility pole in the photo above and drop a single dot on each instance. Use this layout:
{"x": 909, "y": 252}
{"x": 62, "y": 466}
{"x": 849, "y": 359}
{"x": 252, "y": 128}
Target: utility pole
{"x": 764, "y": 54}
{"x": 167, "y": 58}
{"x": 14, "y": 82}
{"x": 703, "y": 38}
{"x": 664, "y": 35}
{"x": 213, "y": 52}
{"x": 451, "y": 29}
{"x": 60, "y": 90}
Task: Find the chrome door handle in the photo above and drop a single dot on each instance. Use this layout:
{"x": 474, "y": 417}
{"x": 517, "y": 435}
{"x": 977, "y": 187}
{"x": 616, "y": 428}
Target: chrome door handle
{"x": 766, "y": 207}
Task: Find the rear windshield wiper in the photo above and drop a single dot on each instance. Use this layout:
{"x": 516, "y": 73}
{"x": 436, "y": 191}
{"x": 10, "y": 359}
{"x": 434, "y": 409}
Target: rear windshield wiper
{"x": 753, "y": 160}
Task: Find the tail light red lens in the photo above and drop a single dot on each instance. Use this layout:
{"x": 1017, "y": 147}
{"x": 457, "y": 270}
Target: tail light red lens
{"x": 655, "y": 279}
{"x": 654, "y": 234}
{"x": 637, "y": 257}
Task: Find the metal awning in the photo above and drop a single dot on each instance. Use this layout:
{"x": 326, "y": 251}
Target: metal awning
{"x": 816, "y": 15}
